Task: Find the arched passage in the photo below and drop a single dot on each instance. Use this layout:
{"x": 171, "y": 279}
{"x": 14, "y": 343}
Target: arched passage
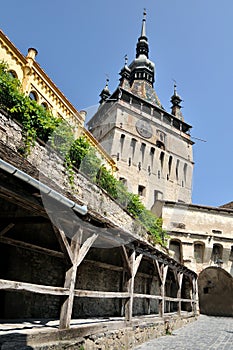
{"x": 215, "y": 287}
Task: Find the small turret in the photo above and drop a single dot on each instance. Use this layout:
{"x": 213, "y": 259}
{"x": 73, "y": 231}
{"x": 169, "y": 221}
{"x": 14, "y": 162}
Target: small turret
{"x": 176, "y": 107}
{"x": 105, "y": 93}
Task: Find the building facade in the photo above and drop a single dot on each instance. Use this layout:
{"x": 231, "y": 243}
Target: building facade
{"x": 151, "y": 146}
{"x": 153, "y": 150}
{"x": 36, "y": 84}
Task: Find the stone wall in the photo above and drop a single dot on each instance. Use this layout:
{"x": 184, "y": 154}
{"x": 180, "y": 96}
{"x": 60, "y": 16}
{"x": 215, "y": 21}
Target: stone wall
{"x": 108, "y": 336}
{"x": 53, "y": 173}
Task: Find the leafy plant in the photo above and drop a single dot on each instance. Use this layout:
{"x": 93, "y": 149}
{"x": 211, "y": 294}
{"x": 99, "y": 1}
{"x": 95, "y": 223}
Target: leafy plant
{"x": 36, "y": 120}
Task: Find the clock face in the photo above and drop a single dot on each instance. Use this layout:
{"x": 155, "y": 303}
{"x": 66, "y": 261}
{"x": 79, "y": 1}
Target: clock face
{"x": 144, "y": 128}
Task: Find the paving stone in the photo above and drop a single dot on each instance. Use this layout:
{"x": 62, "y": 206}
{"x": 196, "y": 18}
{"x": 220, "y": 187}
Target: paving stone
{"x": 206, "y": 333}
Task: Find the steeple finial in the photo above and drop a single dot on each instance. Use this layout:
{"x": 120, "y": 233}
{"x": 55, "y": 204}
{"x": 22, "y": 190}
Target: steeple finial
{"x": 105, "y": 93}
{"x": 126, "y": 59}
{"x": 143, "y": 32}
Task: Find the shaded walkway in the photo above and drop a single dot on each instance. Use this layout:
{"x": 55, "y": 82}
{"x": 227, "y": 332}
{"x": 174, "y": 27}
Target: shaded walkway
{"x": 208, "y": 332}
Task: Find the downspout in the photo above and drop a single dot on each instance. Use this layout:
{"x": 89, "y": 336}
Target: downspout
{"x": 10, "y": 169}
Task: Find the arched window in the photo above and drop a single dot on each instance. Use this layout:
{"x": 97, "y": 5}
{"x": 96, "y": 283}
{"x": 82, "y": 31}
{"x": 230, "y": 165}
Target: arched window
{"x": 161, "y": 159}
{"x": 169, "y": 166}
{"x": 13, "y": 74}
{"x": 176, "y": 247}
{"x": 177, "y": 169}
{"x": 217, "y": 252}
{"x": 160, "y": 144}
{"x": 185, "y": 172}
{"x": 133, "y": 147}
{"x": 33, "y": 96}
{"x": 199, "y": 249}
{"x": 44, "y": 105}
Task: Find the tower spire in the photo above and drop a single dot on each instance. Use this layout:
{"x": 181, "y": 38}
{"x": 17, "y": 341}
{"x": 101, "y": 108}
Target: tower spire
{"x": 143, "y": 32}
{"x": 176, "y": 101}
{"x": 142, "y": 44}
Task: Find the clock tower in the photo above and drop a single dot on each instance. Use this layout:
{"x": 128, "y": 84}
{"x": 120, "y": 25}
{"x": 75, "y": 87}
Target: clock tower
{"x": 151, "y": 146}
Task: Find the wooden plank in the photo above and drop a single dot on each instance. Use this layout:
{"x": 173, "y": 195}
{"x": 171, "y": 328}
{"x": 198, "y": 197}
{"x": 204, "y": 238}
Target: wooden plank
{"x": 30, "y": 246}
{"x": 34, "y": 288}
{"x": 103, "y": 265}
{"x": 6, "y": 229}
{"x": 99, "y": 294}
{"x": 147, "y": 296}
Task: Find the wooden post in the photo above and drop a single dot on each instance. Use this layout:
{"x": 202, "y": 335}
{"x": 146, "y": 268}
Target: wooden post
{"x": 180, "y": 279}
{"x": 132, "y": 263}
{"x": 163, "y": 273}
{"x": 78, "y": 254}
{"x": 195, "y": 304}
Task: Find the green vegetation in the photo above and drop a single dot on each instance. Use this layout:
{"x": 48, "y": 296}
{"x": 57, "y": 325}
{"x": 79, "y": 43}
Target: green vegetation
{"x": 36, "y": 120}
{"x": 39, "y": 122}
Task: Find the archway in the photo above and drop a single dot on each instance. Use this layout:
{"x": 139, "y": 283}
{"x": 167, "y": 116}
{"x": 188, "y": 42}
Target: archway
{"x": 215, "y": 287}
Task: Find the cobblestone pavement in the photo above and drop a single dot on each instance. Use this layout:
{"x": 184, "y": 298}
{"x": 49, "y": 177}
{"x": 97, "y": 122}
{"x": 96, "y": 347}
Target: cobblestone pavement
{"x": 207, "y": 332}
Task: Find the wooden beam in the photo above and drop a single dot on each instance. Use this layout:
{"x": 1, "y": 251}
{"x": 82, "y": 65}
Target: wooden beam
{"x": 85, "y": 248}
{"x": 156, "y": 265}
{"x": 99, "y": 294}
{"x": 126, "y": 259}
{"x": 34, "y": 288}
{"x": 30, "y": 246}
{"x": 6, "y": 229}
{"x": 195, "y": 304}
{"x": 133, "y": 263}
{"x": 70, "y": 280}
{"x": 163, "y": 271}
{"x": 22, "y": 201}
{"x": 79, "y": 252}
{"x": 180, "y": 279}
{"x": 64, "y": 244}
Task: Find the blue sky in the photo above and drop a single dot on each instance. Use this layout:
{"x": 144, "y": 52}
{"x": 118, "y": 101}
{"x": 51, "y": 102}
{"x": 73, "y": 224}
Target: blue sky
{"x": 79, "y": 42}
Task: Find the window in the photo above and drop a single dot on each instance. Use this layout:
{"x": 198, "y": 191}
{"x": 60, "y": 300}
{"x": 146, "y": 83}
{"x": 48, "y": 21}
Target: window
{"x": 133, "y": 147}
{"x": 141, "y": 190}
{"x": 177, "y": 169}
{"x": 13, "y": 74}
{"x": 143, "y": 147}
{"x": 158, "y": 195}
{"x": 151, "y": 166}
{"x": 33, "y": 95}
{"x": 231, "y": 254}
{"x": 185, "y": 172}
{"x": 160, "y": 144}
{"x": 175, "y": 247}
{"x": 199, "y": 252}
{"x": 161, "y": 159}
{"x": 123, "y": 180}
{"x": 122, "y": 140}
{"x": 44, "y": 105}
{"x": 217, "y": 252}
{"x": 169, "y": 166}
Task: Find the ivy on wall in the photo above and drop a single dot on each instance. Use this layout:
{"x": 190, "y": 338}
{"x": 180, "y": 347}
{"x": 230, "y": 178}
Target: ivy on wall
{"x": 37, "y": 122}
